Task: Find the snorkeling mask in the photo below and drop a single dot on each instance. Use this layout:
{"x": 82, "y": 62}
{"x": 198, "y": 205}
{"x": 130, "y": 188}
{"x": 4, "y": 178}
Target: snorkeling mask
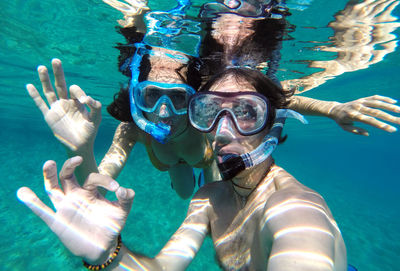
{"x": 250, "y": 121}
{"x": 147, "y": 96}
{"x": 249, "y": 110}
{"x": 150, "y": 95}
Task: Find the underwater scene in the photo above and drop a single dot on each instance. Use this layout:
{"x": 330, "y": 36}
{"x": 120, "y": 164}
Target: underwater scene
{"x": 357, "y": 175}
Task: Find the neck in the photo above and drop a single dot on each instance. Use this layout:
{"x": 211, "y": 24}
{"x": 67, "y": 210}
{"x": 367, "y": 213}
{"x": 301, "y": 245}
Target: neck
{"x": 247, "y": 181}
{"x": 181, "y": 136}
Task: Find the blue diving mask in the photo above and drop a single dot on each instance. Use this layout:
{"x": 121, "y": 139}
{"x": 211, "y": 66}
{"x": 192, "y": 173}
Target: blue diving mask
{"x": 147, "y": 96}
{"x": 151, "y": 95}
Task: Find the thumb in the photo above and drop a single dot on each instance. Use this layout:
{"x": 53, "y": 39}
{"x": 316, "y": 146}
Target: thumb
{"x": 125, "y": 198}
{"x": 29, "y": 198}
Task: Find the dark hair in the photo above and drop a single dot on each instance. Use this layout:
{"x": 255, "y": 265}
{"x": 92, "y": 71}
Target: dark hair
{"x": 278, "y": 97}
{"x": 262, "y": 46}
{"x": 120, "y": 107}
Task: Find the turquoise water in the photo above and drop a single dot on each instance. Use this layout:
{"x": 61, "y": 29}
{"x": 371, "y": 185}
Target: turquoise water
{"x": 358, "y": 176}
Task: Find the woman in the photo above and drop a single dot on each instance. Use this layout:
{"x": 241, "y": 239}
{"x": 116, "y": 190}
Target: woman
{"x": 177, "y": 76}
{"x": 260, "y": 218}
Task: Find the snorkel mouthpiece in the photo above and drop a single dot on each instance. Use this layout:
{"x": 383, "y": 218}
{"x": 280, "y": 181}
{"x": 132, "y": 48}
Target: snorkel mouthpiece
{"x": 232, "y": 165}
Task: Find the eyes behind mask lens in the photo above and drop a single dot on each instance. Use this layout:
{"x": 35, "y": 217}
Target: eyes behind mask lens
{"x": 149, "y": 95}
{"x": 248, "y": 110}
{"x": 179, "y": 97}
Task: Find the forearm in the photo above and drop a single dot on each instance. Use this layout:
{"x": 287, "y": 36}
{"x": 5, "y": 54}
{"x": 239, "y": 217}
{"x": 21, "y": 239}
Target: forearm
{"x": 115, "y": 159}
{"x": 88, "y": 165}
{"x": 125, "y": 138}
{"x": 309, "y": 106}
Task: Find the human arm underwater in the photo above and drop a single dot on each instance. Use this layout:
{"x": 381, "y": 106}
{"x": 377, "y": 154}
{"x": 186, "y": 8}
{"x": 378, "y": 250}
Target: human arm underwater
{"x": 299, "y": 230}
{"x": 89, "y": 225}
{"x": 68, "y": 117}
{"x": 118, "y": 153}
{"x": 366, "y": 110}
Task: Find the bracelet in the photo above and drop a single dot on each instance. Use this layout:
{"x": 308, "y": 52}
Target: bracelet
{"x": 109, "y": 261}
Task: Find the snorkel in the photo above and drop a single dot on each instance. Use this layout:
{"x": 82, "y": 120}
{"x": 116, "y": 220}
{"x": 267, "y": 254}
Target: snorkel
{"x": 159, "y": 131}
{"x": 234, "y": 164}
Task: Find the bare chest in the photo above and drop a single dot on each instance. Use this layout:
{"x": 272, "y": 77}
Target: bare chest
{"x": 236, "y": 235}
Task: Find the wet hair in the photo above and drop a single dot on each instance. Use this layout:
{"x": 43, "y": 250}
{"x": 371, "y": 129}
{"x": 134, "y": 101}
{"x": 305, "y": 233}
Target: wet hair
{"x": 278, "y": 97}
{"x": 262, "y": 46}
{"x": 120, "y": 107}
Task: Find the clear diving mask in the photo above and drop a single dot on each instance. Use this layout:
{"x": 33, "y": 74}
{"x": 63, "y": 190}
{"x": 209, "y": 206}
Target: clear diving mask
{"x": 249, "y": 112}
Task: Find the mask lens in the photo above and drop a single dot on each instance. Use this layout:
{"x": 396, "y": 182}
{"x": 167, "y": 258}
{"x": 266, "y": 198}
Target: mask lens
{"x": 248, "y": 111}
{"x": 203, "y": 111}
{"x": 179, "y": 98}
{"x": 149, "y": 95}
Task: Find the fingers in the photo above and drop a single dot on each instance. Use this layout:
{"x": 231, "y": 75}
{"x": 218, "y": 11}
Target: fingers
{"x": 381, "y": 6}
{"x": 76, "y": 92}
{"x": 51, "y": 182}
{"x": 374, "y": 122}
{"x": 381, "y": 102}
{"x": 355, "y": 130}
{"x": 29, "y": 198}
{"x": 67, "y": 177}
{"x": 125, "y": 198}
{"x": 59, "y": 83}
{"x": 40, "y": 103}
{"x": 376, "y": 113}
{"x": 387, "y": 13}
{"x": 95, "y": 180}
{"x": 94, "y": 106}
{"x": 46, "y": 85}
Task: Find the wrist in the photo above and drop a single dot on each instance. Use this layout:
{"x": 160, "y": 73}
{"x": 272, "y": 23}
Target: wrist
{"x": 332, "y": 112}
{"x": 83, "y": 150}
{"x": 103, "y": 263}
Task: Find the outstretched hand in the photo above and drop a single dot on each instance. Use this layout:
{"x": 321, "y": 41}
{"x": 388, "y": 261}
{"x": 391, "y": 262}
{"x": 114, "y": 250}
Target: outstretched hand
{"x": 85, "y": 222}
{"x": 68, "y": 118}
{"x": 366, "y": 110}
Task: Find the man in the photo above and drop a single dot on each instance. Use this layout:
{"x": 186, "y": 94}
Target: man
{"x": 260, "y": 217}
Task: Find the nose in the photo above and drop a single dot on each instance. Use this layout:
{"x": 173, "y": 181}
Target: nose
{"x": 225, "y": 132}
{"x": 164, "y": 111}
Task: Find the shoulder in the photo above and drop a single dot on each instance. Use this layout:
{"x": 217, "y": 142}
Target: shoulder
{"x": 291, "y": 195}
{"x": 295, "y": 205}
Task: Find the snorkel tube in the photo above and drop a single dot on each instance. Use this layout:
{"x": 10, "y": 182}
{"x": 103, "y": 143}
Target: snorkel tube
{"x": 159, "y": 131}
{"x": 234, "y": 164}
